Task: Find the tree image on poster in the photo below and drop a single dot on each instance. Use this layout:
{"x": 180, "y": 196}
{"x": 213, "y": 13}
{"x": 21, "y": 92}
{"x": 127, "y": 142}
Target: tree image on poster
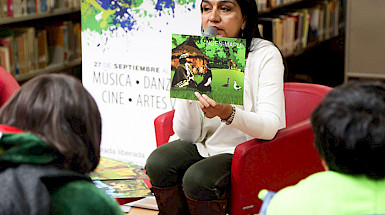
{"x": 126, "y": 67}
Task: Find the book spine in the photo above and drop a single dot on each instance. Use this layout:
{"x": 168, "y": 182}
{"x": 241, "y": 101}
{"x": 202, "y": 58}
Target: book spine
{"x": 10, "y": 8}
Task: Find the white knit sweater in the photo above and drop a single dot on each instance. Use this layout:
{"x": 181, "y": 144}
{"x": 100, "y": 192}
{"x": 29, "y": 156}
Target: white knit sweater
{"x": 261, "y": 116}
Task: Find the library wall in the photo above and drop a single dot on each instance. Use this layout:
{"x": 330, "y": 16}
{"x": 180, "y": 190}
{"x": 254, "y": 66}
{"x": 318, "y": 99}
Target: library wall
{"x": 365, "y": 41}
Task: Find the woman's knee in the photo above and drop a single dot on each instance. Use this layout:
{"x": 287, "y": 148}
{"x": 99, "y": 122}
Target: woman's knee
{"x": 156, "y": 164}
{"x": 197, "y": 184}
{"x": 208, "y": 179}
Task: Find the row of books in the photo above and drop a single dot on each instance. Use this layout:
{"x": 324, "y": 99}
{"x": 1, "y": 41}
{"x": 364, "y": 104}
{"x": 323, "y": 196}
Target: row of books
{"x": 265, "y": 4}
{"x": 17, "y": 8}
{"x": 25, "y": 49}
{"x": 295, "y": 30}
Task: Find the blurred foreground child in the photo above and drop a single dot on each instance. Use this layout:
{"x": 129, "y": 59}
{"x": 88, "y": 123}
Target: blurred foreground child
{"x": 49, "y": 141}
{"x": 349, "y": 130}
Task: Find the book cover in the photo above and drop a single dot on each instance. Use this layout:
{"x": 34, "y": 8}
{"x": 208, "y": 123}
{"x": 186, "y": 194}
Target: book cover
{"x": 108, "y": 169}
{"x": 124, "y": 188}
{"x": 120, "y": 179}
{"x": 210, "y": 65}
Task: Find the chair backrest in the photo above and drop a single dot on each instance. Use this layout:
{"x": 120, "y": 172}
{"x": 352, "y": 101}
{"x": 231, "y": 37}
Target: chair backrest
{"x": 8, "y": 85}
{"x": 163, "y": 127}
{"x": 301, "y": 99}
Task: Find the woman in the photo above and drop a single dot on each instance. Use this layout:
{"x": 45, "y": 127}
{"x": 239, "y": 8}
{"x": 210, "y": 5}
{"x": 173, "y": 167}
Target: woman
{"x": 49, "y": 141}
{"x": 197, "y": 167}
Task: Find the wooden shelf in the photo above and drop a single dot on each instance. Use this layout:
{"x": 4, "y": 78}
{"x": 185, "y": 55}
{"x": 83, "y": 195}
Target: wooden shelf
{"x": 281, "y": 6}
{"x": 57, "y": 12}
{"x": 48, "y": 69}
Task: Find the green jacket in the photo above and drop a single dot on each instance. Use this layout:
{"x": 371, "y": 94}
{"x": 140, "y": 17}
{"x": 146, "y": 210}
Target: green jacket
{"x": 74, "y": 197}
{"x": 330, "y": 193}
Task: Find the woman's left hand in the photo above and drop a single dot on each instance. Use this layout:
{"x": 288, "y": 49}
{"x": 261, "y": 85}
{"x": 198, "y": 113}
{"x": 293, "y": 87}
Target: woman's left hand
{"x": 212, "y": 109}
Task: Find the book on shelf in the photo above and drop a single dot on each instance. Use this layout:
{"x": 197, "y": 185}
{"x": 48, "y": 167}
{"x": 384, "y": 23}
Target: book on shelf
{"x": 27, "y": 57}
{"x": 62, "y": 46}
{"x": 3, "y": 8}
{"x": 42, "y": 48}
{"x": 297, "y": 30}
{"x": 6, "y": 40}
{"x": 55, "y": 38}
{"x": 210, "y": 65}
{"x": 262, "y": 4}
{"x": 5, "y": 58}
{"x": 305, "y": 27}
{"x": 20, "y": 53}
{"x": 77, "y": 40}
{"x": 10, "y": 8}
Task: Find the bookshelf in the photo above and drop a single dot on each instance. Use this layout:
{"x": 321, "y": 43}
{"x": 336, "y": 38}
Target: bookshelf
{"x": 42, "y": 15}
{"x": 39, "y": 42}
{"x": 317, "y": 57}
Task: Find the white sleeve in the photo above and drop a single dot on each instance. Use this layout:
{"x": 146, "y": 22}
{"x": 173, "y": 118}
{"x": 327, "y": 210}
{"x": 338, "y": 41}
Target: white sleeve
{"x": 187, "y": 122}
{"x": 266, "y": 92}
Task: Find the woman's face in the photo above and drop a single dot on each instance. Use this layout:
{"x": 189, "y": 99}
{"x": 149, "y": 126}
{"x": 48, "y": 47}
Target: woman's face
{"x": 224, "y": 15}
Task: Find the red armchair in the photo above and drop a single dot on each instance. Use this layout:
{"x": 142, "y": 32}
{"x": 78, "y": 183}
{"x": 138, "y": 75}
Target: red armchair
{"x": 8, "y": 85}
{"x": 275, "y": 164}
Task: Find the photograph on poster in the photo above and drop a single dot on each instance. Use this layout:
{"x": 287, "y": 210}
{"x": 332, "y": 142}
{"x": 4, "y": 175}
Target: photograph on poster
{"x": 209, "y": 65}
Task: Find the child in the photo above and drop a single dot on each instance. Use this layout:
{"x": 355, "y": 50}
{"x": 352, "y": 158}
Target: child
{"x": 49, "y": 142}
{"x": 349, "y": 128}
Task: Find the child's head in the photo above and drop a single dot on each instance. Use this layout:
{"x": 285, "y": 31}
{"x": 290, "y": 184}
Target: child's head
{"x": 57, "y": 108}
{"x": 349, "y": 129}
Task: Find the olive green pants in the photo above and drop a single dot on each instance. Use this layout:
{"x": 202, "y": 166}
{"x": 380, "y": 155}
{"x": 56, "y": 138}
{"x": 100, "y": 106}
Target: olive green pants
{"x": 179, "y": 162}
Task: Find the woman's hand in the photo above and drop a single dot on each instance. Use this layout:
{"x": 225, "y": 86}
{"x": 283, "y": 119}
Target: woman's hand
{"x": 211, "y": 109}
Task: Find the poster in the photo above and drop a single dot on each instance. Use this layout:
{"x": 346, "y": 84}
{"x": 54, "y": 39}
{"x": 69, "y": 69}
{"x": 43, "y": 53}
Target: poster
{"x": 126, "y": 67}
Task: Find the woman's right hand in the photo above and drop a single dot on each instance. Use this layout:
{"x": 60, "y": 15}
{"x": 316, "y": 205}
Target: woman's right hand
{"x": 211, "y": 108}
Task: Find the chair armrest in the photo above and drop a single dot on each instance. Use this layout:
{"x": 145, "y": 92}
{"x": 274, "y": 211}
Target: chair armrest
{"x": 290, "y": 157}
{"x": 163, "y": 127}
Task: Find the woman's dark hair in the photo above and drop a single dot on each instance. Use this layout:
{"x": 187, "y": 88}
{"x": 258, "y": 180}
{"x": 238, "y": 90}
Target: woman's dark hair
{"x": 58, "y": 109}
{"x": 349, "y": 128}
{"x": 249, "y": 10}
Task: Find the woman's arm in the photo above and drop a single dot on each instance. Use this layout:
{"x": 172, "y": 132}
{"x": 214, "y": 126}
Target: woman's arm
{"x": 265, "y": 95}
